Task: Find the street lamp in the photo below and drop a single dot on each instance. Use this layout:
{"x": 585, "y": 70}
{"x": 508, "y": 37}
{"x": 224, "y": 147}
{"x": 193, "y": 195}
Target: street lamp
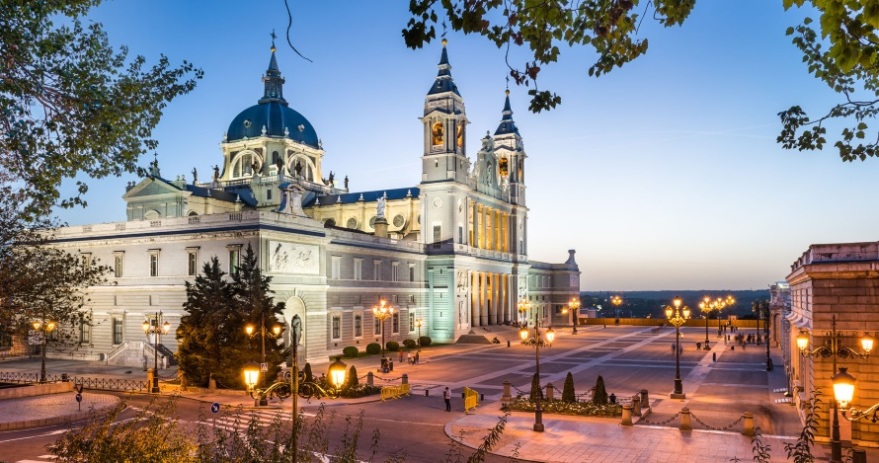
{"x": 382, "y": 312}
{"x": 524, "y": 307}
{"x": 337, "y": 372}
{"x": 536, "y": 341}
{"x": 263, "y": 366}
{"x": 616, "y": 301}
{"x": 251, "y": 375}
{"x": 677, "y": 316}
{"x": 709, "y": 305}
{"x": 44, "y": 327}
{"x": 158, "y": 329}
{"x": 844, "y": 392}
{"x": 834, "y": 349}
{"x": 574, "y": 305}
{"x": 418, "y": 325}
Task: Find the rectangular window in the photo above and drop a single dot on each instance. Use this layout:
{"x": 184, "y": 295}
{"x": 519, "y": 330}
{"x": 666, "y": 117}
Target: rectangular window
{"x": 378, "y": 327}
{"x": 411, "y": 272}
{"x": 234, "y": 259}
{"x": 154, "y": 262}
{"x": 411, "y": 298}
{"x": 337, "y": 268}
{"x": 395, "y": 323}
{"x": 268, "y": 195}
{"x": 87, "y": 260}
{"x": 358, "y": 326}
{"x": 460, "y": 234}
{"x": 394, "y": 268}
{"x": 358, "y": 269}
{"x": 84, "y": 333}
{"x": 377, "y": 270}
{"x": 192, "y": 263}
{"x": 117, "y": 330}
{"x": 411, "y": 321}
{"x": 117, "y": 264}
{"x": 337, "y": 327}
{"x": 437, "y": 233}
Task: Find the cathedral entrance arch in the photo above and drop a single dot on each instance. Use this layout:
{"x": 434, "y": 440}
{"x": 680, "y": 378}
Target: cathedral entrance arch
{"x": 295, "y": 306}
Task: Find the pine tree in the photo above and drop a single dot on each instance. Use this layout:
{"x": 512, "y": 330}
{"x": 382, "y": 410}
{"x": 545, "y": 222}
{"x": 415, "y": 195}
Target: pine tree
{"x": 309, "y": 376}
{"x": 599, "y": 397}
{"x": 254, "y": 302}
{"x": 352, "y": 377}
{"x": 568, "y": 395}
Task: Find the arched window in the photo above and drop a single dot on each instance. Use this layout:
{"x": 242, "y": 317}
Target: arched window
{"x": 243, "y": 165}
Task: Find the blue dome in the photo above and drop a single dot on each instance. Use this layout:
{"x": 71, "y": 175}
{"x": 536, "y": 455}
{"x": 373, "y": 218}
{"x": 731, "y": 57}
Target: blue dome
{"x": 277, "y": 118}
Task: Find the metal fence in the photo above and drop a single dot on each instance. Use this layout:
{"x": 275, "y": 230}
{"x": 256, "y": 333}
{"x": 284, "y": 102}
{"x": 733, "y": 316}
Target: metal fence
{"x": 100, "y": 384}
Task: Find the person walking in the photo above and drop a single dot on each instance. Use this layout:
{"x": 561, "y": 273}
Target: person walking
{"x": 447, "y": 396}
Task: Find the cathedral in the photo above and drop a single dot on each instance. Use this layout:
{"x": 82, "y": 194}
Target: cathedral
{"x": 448, "y": 252}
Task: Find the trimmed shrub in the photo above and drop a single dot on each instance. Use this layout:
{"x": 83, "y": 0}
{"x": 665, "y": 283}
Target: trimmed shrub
{"x": 409, "y": 343}
{"x": 393, "y": 346}
{"x": 351, "y": 351}
{"x": 424, "y": 341}
{"x": 599, "y": 397}
{"x": 309, "y": 376}
{"x": 535, "y": 388}
{"x": 568, "y": 395}
{"x": 352, "y": 377}
{"x": 373, "y": 348}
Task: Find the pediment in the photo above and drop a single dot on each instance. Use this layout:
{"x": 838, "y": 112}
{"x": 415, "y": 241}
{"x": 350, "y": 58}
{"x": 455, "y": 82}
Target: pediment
{"x": 151, "y": 187}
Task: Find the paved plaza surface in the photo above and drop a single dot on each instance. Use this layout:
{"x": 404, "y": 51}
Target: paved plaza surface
{"x": 628, "y": 358}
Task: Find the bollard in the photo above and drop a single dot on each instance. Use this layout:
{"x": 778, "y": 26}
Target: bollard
{"x": 65, "y": 378}
{"x": 506, "y": 397}
{"x": 859, "y": 456}
{"x": 482, "y": 397}
{"x": 405, "y": 379}
{"x": 636, "y": 405}
{"x": 627, "y": 415}
{"x": 427, "y": 393}
{"x": 685, "y": 420}
{"x": 549, "y": 391}
{"x": 369, "y": 378}
{"x": 748, "y": 424}
{"x": 508, "y": 343}
{"x": 645, "y": 400}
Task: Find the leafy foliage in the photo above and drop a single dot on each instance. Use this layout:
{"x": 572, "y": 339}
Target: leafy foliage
{"x": 373, "y": 348}
{"x": 350, "y": 351}
{"x": 307, "y": 373}
{"x": 801, "y": 450}
{"x": 409, "y": 343}
{"x": 392, "y": 346}
{"x": 352, "y": 379}
{"x": 608, "y": 27}
{"x": 72, "y": 105}
{"x": 424, "y": 341}
{"x": 568, "y": 394}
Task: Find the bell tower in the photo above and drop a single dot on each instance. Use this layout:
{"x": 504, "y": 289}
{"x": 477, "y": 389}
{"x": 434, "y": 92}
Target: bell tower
{"x": 445, "y": 122}
{"x": 510, "y": 151}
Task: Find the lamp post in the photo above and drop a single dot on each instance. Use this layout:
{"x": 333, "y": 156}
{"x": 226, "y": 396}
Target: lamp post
{"x": 382, "y": 312}
{"x": 574, "y": 305}
{"x": 524, "y": 307}
{"x": 616, "y": 301}
{"x": 418, "y": 325}
{"x": 677, "y": 316}
{"x": 157, "y": 330}
{"x": 295, "y": 335}
{"x": 834, "y": 349}
{"x": 263, "y": 366}
{"x": 844, "y": 391}
{"x": 44, "y": 327}
{"x": 709, "y": 305}
{"x": 536, "y": 341}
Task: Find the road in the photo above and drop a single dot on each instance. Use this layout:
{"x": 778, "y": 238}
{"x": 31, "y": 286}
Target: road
{"x": 628, "y": 358}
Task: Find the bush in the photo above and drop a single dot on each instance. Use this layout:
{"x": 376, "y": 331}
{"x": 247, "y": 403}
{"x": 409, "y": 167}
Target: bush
{"x": 560, "y": 407}
{"x": 373, "y": 348}
{"x": 353, "y": 381}
{"x": 568, "y": 394}
{"x": 424, "y": 341}
{"x": 409, "y": 343}
{"x": 351, "y": 351}
{"x": 309, "y": 376}
{"x": 393, "y": 346}
{"x": 599, "y": 397}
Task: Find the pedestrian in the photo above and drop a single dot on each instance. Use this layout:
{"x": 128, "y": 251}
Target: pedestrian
{"x": 714, "y": 356}
{"x": 447, "y": 396}
{"x": 401, "y": 355}
{"x": 417, "y": 357}
{"x": 408, "y": 358}
{"x": 672, "y": 347}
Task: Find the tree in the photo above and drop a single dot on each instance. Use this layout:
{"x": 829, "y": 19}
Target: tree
{"x": 599, "y": 397}
{"x": 72, "y": 105}
{"x": 253, "y": 299}
{"x": 352, "y": 379}
{"x": 48, "y": 291}
{"x": 207, "y": 330}
{"x": 568, "y": 394}
{"x": 844, "y": 54}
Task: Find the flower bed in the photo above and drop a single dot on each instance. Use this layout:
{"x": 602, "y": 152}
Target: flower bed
{"x": 522, "y": 404}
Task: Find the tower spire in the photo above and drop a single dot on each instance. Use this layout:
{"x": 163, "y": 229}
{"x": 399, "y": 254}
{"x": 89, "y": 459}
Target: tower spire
{"x": 274, "y": 83}
{"x": 507, "y": 124}
{"x": 444, "y": 82}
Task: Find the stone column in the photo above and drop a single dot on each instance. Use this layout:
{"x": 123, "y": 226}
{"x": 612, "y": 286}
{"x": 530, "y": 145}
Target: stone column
{"x": 627, "y": 415}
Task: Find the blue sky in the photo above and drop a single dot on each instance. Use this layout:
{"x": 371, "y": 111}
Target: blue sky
{"x": 664, "y": 174}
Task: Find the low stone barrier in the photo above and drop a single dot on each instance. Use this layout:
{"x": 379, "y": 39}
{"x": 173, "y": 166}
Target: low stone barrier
{"x": 34, "y": 390}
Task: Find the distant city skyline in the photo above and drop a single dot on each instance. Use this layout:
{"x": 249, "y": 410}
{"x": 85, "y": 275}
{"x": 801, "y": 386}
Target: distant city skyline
{"x": 662, "y": 174}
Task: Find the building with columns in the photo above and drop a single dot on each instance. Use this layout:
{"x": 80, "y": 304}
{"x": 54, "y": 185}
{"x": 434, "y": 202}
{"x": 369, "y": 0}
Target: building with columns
{"x": 449, "y": 250}
{"x": 833, "y": 282}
